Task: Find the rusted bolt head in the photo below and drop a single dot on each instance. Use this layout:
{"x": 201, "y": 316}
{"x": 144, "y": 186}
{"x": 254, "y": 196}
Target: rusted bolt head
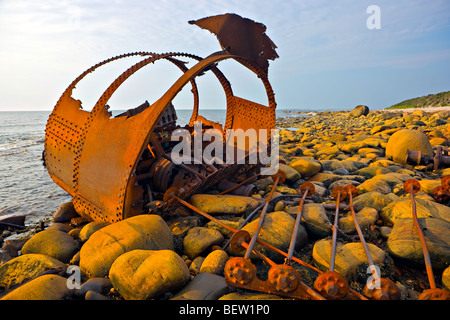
{"x": 434, "y": 294}
{"x": 239, "y": 271}
{"x": 339, "y": 191}
{"x": 307, "y": 186}
{"x": 441, "y": 195}
{"x": 411, "y": 183}
{"x": 284, "y": 278}
{"x": 331, "y": 285}
{"x": 281, "y": 175}
{"x": 351, "y": 189}
{"x": 387, "y": 290}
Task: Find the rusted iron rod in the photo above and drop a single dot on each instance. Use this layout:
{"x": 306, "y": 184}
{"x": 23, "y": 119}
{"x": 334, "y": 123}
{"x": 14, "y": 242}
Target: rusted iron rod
{"x": 337, "y": 193}
{"x": 412, "y": 186}
{"x": 350, "y": 191}
{"x": 279, "y": 176}
{"x": 307, "y": 187}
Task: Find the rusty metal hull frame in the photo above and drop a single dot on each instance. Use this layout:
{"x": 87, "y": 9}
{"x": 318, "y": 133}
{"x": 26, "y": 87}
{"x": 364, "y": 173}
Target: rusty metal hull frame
{"x": 94, "y": 157}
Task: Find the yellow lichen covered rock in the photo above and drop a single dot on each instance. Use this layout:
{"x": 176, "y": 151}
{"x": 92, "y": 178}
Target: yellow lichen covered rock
{"x": 26, "y": 266}
{"x": 215, "y": 262}
{"x": 349, "y": 256}
{"x": 198, "y": 239}
{"x": 146, "y": 274}
{"x": 53, "y": 243}
{"x": 223, "y": 204}
{"x": 46, "y": 287}
{"x": 403, "y": 140}
{"x": 307, "y": 167}
{"x": 148, "y": 232}
{"x": 425, "y": 209}
{"x": 276, "y": 230}
{"x": 404, "y": 242}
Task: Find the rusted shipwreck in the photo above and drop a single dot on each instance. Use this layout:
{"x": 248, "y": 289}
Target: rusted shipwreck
{"x": 114, "y": 166}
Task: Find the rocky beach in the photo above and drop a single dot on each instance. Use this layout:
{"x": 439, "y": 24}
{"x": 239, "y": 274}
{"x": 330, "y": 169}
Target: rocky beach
{"x": 183, "y": 256}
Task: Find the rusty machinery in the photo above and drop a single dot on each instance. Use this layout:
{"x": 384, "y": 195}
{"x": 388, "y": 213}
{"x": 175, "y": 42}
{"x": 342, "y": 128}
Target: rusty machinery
{"x": 114, "y": 166}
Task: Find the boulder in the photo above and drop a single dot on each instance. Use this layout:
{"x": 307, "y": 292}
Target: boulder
{"x": 306, "y": 167}
{"x": 403, "y": 140}
{"x": 27, "y": 266}
{"x": 214, "y": 262}
{"x": 366, "y": 217}
{"x": 90, "y": 228}
{"x": 53, "y": 243}
{"x": 424, "y": 208}
{"x": 147, "y": 274}
{"x": 349, "y": 256}
{"x": 199, "y": 239}
{"x": 204, "y": 286}
{"x": 223, "y": 204}
{"x": 404, "y": 242}
{"x": 46, "y": 287}
{"x": 147, "y": 232}
{"x": 358, "y": 111}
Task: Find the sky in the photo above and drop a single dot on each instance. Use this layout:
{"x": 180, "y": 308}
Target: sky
{"x": 329, "y": 58}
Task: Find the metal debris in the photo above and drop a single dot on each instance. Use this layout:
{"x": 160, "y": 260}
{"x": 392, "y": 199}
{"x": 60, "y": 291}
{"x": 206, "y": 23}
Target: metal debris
{"x": 114, "y": 166}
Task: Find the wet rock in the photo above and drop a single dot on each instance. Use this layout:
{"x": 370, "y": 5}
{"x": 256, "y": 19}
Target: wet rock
{"x": 65, "y": 213}
{"x": 349, "y": 256}
{"x": 199, "y": 239}
{"x": 148, "y": 232}
{"x": 306, "y": 166}
{"x": 204, "y": 286}
{"x": 53, "y": 243}
{"x": 90, "y": 228}
{"x": 46, "y": 287}
{"x": 214, "y": 262}
{"x": 99, "y": 285}
{"x": 404, "y": 242}
{"x": 146, "y": 274}
{"x": 27, "y": 266}
{"x": 402, "y": 208}
{"x": 385, "y": 231}
{"x": 223, "y": 204}
{"x": 276, "y": 230}
{"x": 404, "y": 140}
{"x": 61, "y": 227}
{"x": 366, "y": 217}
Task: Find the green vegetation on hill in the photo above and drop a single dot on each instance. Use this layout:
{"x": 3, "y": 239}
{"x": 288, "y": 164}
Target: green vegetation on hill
{"x": 440, "y": 99}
